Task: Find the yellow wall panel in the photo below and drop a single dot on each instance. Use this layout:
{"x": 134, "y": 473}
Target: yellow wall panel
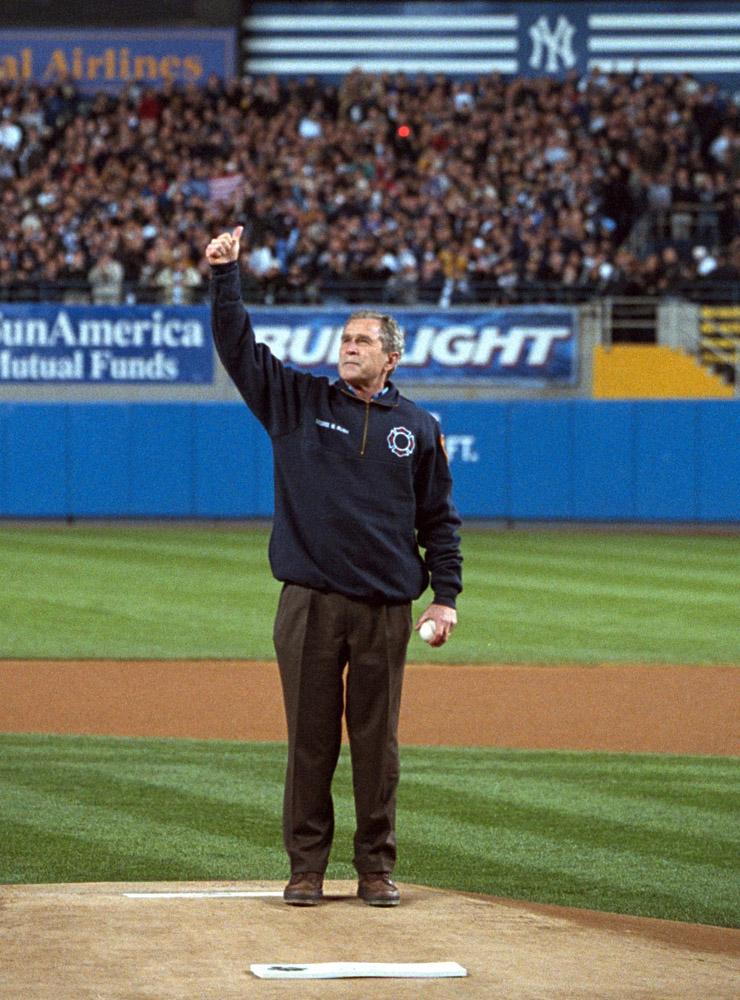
{"x": 640, "y": 371}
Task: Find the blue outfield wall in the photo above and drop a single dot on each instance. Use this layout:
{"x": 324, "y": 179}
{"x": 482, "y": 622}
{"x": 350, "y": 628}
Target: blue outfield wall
{"x": 569, "y": 459}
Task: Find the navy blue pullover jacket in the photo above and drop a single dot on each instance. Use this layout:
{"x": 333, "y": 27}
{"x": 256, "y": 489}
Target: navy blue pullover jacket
{"x": 358, "y": 486}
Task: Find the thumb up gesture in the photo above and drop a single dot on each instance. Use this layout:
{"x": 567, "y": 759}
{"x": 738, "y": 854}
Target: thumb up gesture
{"x": 224, "y": 249}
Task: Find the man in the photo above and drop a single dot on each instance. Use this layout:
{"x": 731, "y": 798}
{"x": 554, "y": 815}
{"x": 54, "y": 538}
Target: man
{"x": 106, "y": 280}
{"x": 361, "y": 476}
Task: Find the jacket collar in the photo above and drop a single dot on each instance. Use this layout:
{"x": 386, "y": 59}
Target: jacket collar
{"x": 389, "y": 397}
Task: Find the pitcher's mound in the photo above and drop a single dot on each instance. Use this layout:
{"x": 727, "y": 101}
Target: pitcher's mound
{"x": 169, "y": 941}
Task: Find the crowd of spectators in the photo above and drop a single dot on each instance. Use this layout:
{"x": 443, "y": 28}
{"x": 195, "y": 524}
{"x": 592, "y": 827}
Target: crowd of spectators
{"x": 385, "y": 187}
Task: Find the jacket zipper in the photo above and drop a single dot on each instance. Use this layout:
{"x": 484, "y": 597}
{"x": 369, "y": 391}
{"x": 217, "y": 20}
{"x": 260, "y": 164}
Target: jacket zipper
{"x": 364, "y": 429}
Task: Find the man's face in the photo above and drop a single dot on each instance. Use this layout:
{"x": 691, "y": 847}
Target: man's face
{"x": 362, "y": 361}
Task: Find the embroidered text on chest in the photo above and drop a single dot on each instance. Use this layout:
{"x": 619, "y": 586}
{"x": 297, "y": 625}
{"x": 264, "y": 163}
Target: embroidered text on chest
{"x": 331, "y": 426}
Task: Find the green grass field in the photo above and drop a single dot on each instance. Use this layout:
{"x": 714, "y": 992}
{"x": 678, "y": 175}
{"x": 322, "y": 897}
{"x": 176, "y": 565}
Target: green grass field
{"x": 644, "y": 834}
{"x": 530, "y": 596}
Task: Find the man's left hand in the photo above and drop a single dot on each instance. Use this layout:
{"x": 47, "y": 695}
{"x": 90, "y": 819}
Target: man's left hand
{"x": 444, "y": 619}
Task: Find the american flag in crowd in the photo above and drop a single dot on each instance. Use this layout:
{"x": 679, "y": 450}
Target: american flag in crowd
{"x": 224, "y": 188}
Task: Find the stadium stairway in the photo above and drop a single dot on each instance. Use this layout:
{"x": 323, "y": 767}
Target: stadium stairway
{"x": 642, "y": 371}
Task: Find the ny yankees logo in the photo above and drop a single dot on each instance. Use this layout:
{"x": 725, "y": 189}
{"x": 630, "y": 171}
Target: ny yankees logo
{"x": 557, "y": 42}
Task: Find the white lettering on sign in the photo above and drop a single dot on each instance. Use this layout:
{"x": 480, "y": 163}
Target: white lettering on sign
{"x": 36, "y": 367}
{"x": 158, "y": 368}
{"x": 542, "y": 341}
{"x": 461, "y": 446}
{"x": 421, "y": 348}
{"x": 69, "y": 331}
{"x": 277, "y": 338}
{"x": 62, "y": 332}
{"x": 301, "y": 345}
{"x": 304, "y": 352}
{"x": 102, "y": 365}
{"x": 454, "y": 346}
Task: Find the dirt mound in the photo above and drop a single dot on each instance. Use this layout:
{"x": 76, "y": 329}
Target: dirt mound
{"x": 72, "y": 941}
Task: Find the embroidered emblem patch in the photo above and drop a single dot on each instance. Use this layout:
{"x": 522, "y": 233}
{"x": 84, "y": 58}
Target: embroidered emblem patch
{"x": 401, "y": 442}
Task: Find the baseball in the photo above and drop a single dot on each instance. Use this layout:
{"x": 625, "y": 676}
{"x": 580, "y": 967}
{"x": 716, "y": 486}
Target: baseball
{"x": 428, "y": 630}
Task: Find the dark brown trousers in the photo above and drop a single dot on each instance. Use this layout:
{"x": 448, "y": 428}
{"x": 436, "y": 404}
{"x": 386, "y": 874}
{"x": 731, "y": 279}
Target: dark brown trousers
{"x": 316, "y": 636}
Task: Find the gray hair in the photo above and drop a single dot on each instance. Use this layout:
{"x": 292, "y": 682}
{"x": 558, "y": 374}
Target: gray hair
{"x": 391, "y": 334}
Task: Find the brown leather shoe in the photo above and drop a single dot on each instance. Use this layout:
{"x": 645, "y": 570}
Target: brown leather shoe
{"x": 304, "y": 889}
{"x": 376, "y": 889}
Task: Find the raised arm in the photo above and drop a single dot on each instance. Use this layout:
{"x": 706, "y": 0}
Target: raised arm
{"x": 273, "y": 392}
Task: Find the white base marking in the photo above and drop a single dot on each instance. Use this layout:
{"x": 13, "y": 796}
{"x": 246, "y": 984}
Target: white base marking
{"x": 212, "y": 894}
{"x": 347, "y": 970}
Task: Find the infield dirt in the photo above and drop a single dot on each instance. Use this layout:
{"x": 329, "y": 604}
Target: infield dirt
{"x": 630, "y": 708}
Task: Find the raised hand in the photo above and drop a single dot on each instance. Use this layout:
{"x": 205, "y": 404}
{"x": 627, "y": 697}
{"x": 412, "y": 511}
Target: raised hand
{"x": 224, "y": 248}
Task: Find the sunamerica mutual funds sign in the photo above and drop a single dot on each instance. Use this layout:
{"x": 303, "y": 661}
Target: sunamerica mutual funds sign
{"x": 169, "y": 345}
{"x": 105, "y": 344}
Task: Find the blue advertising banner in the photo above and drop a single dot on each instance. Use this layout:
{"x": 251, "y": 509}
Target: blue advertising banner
{"x": 105, "y": 344}
{"x": 111, "y": 59}
{"x": 534, "y": 345}
{"x": 172, "y": 344}
{"x": 488, "y": 36}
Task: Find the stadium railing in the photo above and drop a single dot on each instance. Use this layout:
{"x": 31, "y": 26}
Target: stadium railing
{"x": 350, "y": 291}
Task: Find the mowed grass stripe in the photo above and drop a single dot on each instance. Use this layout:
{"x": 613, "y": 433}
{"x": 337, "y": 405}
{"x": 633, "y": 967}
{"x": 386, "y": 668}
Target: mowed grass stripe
{"x": 620, "y": 791}
{"x": 529, "y": 872}
{"x": 586, "y": 773}
{"x": 615, "y": 549}
{"x": 552, "y": 856}
{"x": 129, "y": 562}
{"x": 603, "y": 827}
{"x": 578, "y": 569}
{"x": 558, "y": 841}
{"x": 617, "y": 543}
{"x": 146, "y": 814}
{"x": 128, "y": 592}
{"x": 563, "y": 586}
{"x": 196, "y": 844}
{"x": 588, "y": 634}
{"x": 609, "y": 563}
{"x": 647, "y": 807}
{"x": 156, "y": 536}
{"x": 549, "y": 596}
{"x": 37, "y": 854}
{"x": 195, "y": 811}
{"x": 249, "y": 544}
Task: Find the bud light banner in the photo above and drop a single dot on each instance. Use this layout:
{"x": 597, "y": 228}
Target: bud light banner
{"x": 532, "y": 345}
{"x": 105, "y": 344}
